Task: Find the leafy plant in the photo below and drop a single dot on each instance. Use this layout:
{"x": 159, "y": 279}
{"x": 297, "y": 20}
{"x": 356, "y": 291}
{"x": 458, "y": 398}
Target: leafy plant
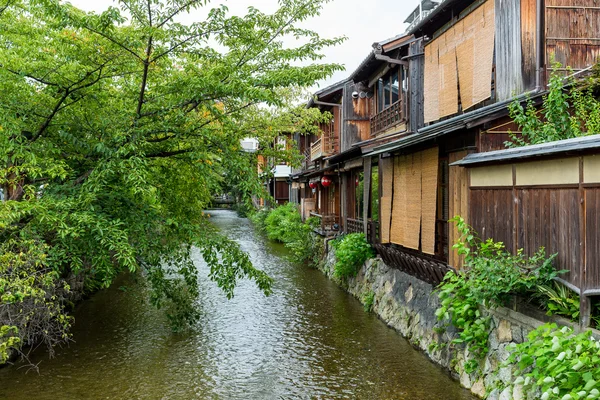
{"x": 558, "y": 363}
{"x": 284, "y": 224}
{"x": 569, "y": 110}
{"x": 557, "y": 299}
{"x": 368, "y": 299}
{"x": 281, "y": 222}
{"x": 491, "y": 275}
{"x": 351, "y": 251}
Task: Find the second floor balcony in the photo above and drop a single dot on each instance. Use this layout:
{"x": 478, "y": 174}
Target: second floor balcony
{"x": 326, "y": 145}
{"x": 388, "y": 118}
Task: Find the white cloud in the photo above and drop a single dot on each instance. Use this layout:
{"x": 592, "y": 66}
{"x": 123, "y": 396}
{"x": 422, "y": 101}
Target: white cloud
{"x": 362, "y": 22}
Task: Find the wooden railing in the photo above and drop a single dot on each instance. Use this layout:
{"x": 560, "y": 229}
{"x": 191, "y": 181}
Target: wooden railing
{"x": 357, "y": 226}
{"x": 326, "y": 145}
{"x": 316, "y": 149}
{"x": 354, "y": 225}
{"x": 388, "y": 118}
{"x": 423, "y": 268}
{"x": 329, "y": 223}
{"x": 307, "y": 162}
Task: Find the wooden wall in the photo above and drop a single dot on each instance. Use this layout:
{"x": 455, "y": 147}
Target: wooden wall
{"x": 458, "y": 203}
{"x": 415, "y": 94}
{"x": 573, "y": 32}
{"x": 356, "y": 123}
{"x": 554, "y": 203}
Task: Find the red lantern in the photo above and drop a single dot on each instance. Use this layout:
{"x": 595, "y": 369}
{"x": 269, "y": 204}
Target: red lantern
{"x": 357, "y": 181}
{"x": 312, "y": 185}
{"x": 325, "y": 181}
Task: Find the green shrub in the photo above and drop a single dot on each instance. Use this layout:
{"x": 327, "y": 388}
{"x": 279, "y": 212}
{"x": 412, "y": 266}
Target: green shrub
{"x": 566, "y": 112}
{"x": 490, "y": 277}
{"x": 351, "y": 251}
{"x": 284, "y": 224}
{"x": 281, "y": 221}
{"x": 305, "y": 246}
{"x": 558, "y": 363}
{"x": 258, "y": 219}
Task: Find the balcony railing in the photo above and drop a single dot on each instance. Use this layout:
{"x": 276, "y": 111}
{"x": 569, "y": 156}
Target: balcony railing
{"x": 326, "y": 145}
{"x": 357, "y": 226}
{"x": 316, "y": 149}
{"x": 388, "y": 118}
{"x": 329, "y": 223}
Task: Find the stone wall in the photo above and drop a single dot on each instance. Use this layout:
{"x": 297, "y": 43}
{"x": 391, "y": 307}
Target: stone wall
{"x": 408, "y": 305}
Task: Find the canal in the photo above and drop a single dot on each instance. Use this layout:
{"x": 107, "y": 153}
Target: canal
{"x": 309, "y": 340}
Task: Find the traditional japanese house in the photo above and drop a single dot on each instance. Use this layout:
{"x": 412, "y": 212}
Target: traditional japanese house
{"x": 317, "y": 184}
{"x": 476, "y": 57}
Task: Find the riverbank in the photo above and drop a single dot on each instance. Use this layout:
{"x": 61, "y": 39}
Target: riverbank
{"x": 408, "y": 305}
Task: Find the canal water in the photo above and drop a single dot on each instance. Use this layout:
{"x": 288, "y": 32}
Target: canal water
{"x": 309, "y": 340}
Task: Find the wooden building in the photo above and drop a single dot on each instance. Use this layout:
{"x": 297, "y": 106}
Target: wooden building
{"x": 423, "y": 101}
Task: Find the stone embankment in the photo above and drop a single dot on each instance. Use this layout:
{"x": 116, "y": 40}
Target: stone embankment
{"x": 408, "y": 305}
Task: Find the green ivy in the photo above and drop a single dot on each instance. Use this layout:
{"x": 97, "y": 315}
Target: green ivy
{"x": 559, "y": 364}
{"x": 351, "y": 251}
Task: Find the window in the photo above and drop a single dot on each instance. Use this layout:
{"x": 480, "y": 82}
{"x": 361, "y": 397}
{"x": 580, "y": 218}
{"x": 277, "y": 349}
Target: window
{"x": 388, "y": 89}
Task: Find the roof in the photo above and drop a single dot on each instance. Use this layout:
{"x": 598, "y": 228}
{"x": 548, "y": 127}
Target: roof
{"x": 537, "y": 150}
{"x": 436, "y": 13}
{"x": 345, "y": 155}
{"x": 464, "y": 121}
{"x": 327, "y": 91}
{"x": 370, "y": 61}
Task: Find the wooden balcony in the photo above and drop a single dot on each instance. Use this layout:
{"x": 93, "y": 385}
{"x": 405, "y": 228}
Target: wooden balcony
{"x": 326, "y": 145}
{"x": 388, "y": 118}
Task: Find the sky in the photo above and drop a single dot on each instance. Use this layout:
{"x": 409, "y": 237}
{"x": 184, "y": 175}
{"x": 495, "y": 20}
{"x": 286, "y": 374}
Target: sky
{"x": 363, "y": 22}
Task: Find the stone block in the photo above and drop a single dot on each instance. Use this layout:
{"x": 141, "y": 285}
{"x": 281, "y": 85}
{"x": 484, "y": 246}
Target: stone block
{"x": 518, "y": 392}
{"x": 506, "y": 394}
{"x": 504, "y": 332}
{"x": 479, "y": 388}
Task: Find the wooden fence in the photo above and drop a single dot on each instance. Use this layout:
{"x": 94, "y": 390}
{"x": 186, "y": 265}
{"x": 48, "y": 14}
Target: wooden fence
{"x": 553, "y": 204}
{"x": 413, "y": 263}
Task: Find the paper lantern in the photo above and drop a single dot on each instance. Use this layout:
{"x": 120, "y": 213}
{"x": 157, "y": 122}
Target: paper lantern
{"x": 357, "y": 181}
{"x": 312, "y": 185}
{"x": 325, "y": 181}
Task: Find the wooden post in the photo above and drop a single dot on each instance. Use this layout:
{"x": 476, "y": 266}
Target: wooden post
{"x": 585, "y": 306}
{"x": 366, "y": 193}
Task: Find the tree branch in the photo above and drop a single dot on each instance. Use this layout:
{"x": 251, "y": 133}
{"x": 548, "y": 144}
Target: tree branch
{"x": 166, "y": 154}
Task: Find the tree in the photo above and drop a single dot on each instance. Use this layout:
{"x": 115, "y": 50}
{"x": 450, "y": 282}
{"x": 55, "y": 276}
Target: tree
{"x": 115, "y": 129}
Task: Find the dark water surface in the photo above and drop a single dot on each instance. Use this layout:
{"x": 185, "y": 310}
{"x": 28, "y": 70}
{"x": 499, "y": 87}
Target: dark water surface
{"x": 309, "y": 340}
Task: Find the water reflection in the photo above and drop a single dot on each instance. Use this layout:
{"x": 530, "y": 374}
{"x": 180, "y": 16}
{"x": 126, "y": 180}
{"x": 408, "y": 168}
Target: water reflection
{"x": 309, "y": 340}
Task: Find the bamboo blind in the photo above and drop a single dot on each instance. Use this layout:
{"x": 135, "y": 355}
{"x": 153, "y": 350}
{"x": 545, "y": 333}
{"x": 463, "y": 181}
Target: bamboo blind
{"x": 448, "y": 76}
{"x": 483, "y": 21}
{"x": 450, "y": 62}
{"x": 431, "y": 84}
{"x": 399, "y": 201}
{"x": 413, "y": 199}
{"x": 387, "y": 172}
{"x": 429, "y": 184}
